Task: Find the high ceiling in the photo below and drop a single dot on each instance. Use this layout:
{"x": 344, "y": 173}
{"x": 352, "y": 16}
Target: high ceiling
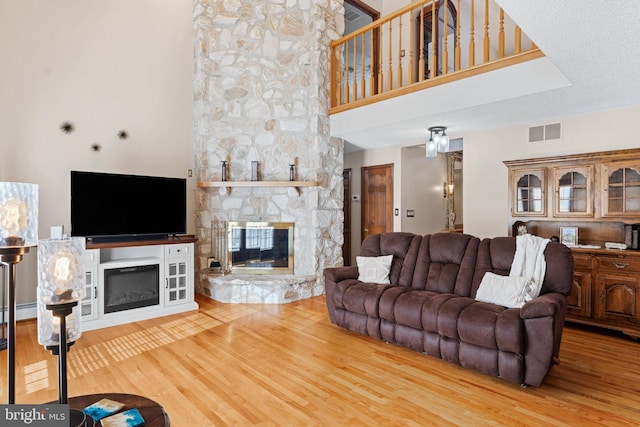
{"x": 592, "y": 60}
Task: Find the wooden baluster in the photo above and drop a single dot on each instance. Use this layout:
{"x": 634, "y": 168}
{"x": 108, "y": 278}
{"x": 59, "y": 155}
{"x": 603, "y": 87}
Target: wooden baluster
{"x": 372, "y": 68}
{"x": 335, "y": 78}
{"x": 347, "y": 88}
{"x": 400, "y": 51}
{"x": 434, "y": 40}
{"x": 355, "y": 68}
{"x": 487, "y": 42}
{"x": 517, "y": 40}
{"x": 380, "y": 50}
{"x": 363, "y": 84}
{"x": 390, "y": 76}
{"x": 445, "y": 45}
{"x": 411, "y": 49}
{"x": 472, "y": 43}
{"x": 456, "y": 49}
{"x": 501, "y": 35}
{"x": 421, "y": 47}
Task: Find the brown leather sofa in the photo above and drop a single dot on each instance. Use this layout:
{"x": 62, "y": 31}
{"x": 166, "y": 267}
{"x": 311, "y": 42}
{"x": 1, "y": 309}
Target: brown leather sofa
{"x": 429, "y": 305}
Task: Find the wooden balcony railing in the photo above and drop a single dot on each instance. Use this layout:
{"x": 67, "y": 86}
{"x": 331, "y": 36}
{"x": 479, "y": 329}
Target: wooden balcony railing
{"x": 424, "y": 44}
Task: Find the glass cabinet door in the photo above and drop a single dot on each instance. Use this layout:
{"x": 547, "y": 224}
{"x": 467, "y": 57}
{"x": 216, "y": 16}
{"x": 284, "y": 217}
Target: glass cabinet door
{"x": 573, "y": 191}
{"x": 529, "y": 198}
{"x": 621, "y": 192}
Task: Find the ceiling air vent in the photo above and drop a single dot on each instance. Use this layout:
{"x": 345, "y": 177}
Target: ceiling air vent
{"x": 545, "y": 132}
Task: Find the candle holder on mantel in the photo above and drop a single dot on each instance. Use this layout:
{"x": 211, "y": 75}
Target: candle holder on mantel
{"x": 254, "y": 170}
{"x": 224, "y": 171}
{"x": 292, "y": 172}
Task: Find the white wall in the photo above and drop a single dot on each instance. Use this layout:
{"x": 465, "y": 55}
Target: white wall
{"x": 355, "y": 162}
{"x": 486, "y": 209}
{"x": 422, "y": 181}
{"x": 106, "y": 66}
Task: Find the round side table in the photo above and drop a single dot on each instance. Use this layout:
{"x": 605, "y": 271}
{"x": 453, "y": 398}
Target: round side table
{"x": 153, "y": 413}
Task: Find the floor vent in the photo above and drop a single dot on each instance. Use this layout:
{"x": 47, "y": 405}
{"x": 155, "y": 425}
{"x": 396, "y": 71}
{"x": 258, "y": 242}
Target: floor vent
{"x": 545, "y": 132}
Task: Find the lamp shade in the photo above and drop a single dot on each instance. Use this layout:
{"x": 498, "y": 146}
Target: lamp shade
{"x": 18, "y": 214}
{"x": 432, "y": 148}
{"x": 60, "y": 280}
{"x": 443, "y": 144}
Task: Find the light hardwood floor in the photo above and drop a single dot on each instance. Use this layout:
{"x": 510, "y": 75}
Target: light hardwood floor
{"x": 287, "y": 365}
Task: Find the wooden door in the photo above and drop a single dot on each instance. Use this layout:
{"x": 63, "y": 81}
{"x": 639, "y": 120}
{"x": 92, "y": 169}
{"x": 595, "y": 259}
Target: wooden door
{"x": 346, "y": 245}
{"x": 377, "y": 199}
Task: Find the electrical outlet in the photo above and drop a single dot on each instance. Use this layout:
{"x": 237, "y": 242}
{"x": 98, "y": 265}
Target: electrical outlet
{"x": 189, "y": 173}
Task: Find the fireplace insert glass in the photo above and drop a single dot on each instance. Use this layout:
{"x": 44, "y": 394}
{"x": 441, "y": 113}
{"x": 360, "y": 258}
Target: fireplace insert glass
{"x": 131, "y": 287}
{"x": 260, "y": 247}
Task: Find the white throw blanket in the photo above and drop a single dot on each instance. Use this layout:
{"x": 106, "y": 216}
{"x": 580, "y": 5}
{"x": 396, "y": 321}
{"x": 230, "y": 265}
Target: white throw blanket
{"x": 529, "y": 262}
{"x": 525, "y": 278}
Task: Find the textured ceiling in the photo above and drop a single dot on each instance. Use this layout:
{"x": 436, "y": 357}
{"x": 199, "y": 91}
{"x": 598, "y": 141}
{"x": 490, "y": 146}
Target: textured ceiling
{"x": 593, "y": 44}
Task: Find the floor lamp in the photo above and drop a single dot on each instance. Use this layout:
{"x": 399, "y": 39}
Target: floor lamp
{"x": 3, "y": 333}
{"x": 18, "y": 233}
{"x": 61, "y": 284}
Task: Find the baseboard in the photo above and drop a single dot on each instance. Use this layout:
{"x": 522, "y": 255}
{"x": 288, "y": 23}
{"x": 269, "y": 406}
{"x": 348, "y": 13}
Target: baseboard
{"x": 23, "y": 311}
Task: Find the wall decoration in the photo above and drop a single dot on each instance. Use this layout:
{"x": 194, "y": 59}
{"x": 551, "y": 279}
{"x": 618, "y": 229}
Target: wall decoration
{"x": 96, "y": 147}
{"x": 67, "y": 127}
{"x": 123, "y": 134}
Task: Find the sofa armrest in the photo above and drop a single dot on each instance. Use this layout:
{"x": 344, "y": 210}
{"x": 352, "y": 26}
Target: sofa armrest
{"x": 338, "y": 274}
{"x": 542, "y": 306}
{"x": 543, "y": 319}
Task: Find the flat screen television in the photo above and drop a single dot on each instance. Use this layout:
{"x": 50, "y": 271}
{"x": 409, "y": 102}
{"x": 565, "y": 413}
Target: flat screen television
{"x": 106, "y": 206}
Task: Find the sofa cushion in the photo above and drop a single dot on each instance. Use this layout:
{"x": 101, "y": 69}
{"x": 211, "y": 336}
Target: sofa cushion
{"x": 502, "y": 290}
{"x": 374, "y": 269}
{"x": 496, "y": 255}
{"x": 364, "y": 298}
{"x": 446, "y": 263}
{"x": 404, "y": 248}
{"x": 491, "y": 326}
{"x": 408, "y": 307}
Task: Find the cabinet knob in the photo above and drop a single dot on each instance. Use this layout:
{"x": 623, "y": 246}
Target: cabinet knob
{"x": 620, "y": 265}
{"x": 602, "y": 297}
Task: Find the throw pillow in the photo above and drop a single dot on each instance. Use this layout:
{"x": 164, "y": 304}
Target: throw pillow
{"x": 374, "y": 269}
{"x": 502, "y": 290}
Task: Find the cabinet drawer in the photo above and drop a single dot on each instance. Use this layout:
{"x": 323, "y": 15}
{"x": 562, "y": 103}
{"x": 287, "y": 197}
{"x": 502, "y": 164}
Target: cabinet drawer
{"x": 618, "y": 263}
{"x": 178, "y": 250}
{"x": 582, "y": 261}
{"x": 91, "y": 256}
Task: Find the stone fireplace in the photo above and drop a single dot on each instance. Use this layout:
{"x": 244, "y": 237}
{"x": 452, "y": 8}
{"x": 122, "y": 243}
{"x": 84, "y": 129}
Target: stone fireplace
{"x": 261, "y": 94}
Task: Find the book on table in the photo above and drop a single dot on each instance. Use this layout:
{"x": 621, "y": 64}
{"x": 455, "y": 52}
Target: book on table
{"x": 103, "y": 408}
{"x": 128, "y": 418}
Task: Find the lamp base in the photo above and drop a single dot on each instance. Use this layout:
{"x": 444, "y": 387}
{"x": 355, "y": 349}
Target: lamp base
{"x": 77, "y": 418}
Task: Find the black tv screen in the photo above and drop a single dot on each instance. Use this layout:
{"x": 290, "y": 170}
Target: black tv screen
{"x": 127, "y": 206}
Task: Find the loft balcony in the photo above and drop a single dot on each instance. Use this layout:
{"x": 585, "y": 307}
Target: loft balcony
{"x": 428, "y": 58}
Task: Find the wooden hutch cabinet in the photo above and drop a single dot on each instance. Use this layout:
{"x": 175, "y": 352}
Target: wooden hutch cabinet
{"x": 599, "y": 193}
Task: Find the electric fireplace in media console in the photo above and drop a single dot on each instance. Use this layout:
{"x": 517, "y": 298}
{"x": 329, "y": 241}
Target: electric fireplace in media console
{"x": 127, "y": 288}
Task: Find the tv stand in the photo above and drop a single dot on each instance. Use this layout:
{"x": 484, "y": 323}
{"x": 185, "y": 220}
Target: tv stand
{"x": 129, "y": 238}
{"x": 174, "y": 257}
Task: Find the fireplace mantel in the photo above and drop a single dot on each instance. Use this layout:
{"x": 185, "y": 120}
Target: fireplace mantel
{"x": 227, "y": 185}
{"x": 217, "y": 184}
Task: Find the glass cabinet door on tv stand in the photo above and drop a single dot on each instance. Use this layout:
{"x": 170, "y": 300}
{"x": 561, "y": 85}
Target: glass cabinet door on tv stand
{"x": 177, "y": 274}
{"x": 89, "y": 304}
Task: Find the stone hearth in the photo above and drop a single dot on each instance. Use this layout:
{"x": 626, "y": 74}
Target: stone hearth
{"x": 258, "y": 289}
